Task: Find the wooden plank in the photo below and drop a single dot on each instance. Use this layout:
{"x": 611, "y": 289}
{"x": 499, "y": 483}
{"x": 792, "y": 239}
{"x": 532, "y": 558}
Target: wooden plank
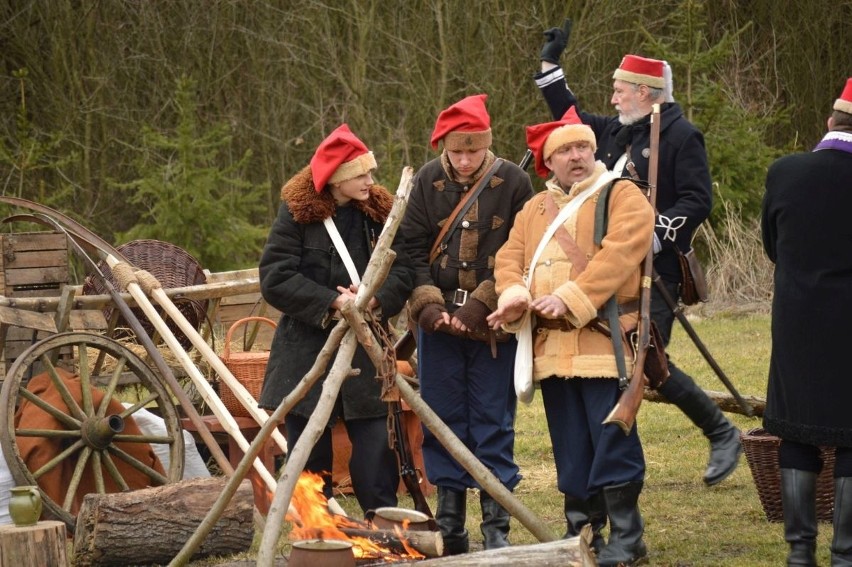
{"x": 36, "y": 259}
{"x": 27, "y": 319}
{"x": 88, "y": 320}
{"x": 29, "y": 276}
{"x": 25, "y": 241}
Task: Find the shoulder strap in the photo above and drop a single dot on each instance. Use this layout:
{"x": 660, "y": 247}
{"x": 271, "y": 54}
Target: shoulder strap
{"x": 342, "y": 250}
{"x": 563, "y": 237}
{"x": 464, "y": 204}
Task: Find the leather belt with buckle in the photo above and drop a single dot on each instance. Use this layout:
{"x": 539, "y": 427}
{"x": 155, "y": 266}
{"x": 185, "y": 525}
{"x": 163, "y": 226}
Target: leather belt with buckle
{"x": 456, "y": 296}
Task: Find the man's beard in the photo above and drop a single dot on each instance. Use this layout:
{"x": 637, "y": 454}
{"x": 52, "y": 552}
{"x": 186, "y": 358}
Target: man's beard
{"x": 628, "y": 118}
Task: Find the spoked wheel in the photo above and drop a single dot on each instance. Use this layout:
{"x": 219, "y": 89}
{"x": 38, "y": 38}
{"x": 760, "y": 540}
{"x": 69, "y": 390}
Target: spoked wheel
{"x": 69, "y": 437}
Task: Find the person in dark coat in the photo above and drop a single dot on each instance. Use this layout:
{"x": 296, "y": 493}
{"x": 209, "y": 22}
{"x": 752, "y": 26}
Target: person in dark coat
{"x": 465, "y": 373}
{"x": 305, "y": 276}
{"x": 684, "y": 200}
{"x": 806, "y": 233}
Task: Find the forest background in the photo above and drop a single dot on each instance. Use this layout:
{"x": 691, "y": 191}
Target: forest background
{"x": 179, "y": 120}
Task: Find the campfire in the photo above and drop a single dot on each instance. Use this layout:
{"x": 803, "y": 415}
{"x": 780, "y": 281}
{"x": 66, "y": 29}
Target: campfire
{"x": 369, "y": 543}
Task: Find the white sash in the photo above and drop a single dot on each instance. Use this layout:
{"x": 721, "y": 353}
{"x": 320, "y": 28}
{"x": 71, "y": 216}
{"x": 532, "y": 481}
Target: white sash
{"x": 524, "y": 388}
{"x": 340, "y": 246}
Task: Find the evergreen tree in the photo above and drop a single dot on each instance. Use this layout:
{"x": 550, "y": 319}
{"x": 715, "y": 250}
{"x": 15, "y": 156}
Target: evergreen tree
{"x": 188, "y": 199}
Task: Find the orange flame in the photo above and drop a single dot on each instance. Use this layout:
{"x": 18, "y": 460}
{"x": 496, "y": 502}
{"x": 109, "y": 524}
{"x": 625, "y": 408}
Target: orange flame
{"x": 315, "y": 522}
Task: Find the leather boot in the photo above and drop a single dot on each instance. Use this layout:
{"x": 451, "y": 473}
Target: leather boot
{"x": 495, "y": 522}
{"x": 841, "y": 545}
{"x": 625, "y": 546}
{"x": 724, "y": 437}
{"x": 450, "y": 517}
{"x": 798, "y": 499}
{"x": 579, "y": 513}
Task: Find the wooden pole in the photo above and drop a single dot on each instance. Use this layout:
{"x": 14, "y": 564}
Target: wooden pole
{"x": 452, "y": 444}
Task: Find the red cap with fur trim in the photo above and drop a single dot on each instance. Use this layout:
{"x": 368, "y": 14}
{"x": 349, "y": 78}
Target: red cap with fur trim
{"x": 465, "y": 125}
{"x": 641, "y": 71}
{"x": 544, "y": 139}
{"x": 339, "y": 157}
{"x": 844, "y": 103}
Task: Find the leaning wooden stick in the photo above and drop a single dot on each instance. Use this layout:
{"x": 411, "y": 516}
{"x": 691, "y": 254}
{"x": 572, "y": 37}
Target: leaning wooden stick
{"x": 455, "y": 447}
{"x": 625, "y": 410}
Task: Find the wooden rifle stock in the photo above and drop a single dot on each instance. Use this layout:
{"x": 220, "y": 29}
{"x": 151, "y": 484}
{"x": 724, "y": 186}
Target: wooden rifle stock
{"x": 624, "y": 412}
{"x": 404, "y": 348}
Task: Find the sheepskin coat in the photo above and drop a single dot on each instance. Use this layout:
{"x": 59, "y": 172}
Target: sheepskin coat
{"x": 614, "y": 268}
{"x": 299, "y": 273}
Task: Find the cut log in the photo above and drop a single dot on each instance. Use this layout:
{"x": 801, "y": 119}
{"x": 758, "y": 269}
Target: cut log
{"x": 572, "y": 552}
{"x": 151, "y": 525}
{"x": 33, "y": 546}
{"x": 724, "y": 400}
{"x": 430, "y": 544}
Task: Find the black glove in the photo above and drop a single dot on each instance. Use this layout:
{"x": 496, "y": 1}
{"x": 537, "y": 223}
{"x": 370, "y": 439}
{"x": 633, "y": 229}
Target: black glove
{"x": 429, "y": 315}
{"x": 473, "y": 314}
{"x": 556, "y": 42}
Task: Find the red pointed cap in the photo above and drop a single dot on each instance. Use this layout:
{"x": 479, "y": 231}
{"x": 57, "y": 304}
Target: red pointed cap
{"x": 544, "y": 139}
{"x": 464, "y": 125}
{"x": 339, "y": 157}
{"x": 641, "y": 71}
{"x": 844, "y": 103}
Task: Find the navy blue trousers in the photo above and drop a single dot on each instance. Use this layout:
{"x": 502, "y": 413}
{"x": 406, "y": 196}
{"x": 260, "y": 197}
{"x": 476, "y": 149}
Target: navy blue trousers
{"x": 474, "y": 394}
{"x": 372, "y": 466}
{"x": 588, "y": 454}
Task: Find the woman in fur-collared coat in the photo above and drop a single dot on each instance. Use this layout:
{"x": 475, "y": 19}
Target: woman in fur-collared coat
{"x": 305, "y": 276}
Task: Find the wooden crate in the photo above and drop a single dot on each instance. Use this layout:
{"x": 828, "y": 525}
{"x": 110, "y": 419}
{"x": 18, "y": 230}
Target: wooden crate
{"x": 33, "y": 264}
{"x": 235, "y": 307}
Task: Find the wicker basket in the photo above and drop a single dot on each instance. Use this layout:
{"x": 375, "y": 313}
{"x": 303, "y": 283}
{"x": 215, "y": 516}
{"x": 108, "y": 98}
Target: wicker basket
{"x": 761, "y": 450}
{"x": 173, "y": 267}
{"x": 247, "y": 367}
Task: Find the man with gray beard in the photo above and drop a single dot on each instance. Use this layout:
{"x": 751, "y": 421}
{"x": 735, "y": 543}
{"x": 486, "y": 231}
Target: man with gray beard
{"x": 684, "y": 200}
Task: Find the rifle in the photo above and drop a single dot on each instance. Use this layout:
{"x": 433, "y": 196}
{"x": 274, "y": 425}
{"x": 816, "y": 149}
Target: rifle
{"x": 407, "y": 471}
{"x": 625, "y": 410}
{"x": 687, "y": 326}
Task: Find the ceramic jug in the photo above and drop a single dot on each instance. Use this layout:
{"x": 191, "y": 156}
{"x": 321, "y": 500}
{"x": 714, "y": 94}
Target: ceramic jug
{"x": 25, "y": 505}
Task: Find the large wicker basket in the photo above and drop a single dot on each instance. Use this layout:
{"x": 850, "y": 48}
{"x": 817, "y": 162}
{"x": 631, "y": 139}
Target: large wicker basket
{"x": 173, "y": 267}
{"x": 761, "y": 450}
{"x": 247, "y": 367}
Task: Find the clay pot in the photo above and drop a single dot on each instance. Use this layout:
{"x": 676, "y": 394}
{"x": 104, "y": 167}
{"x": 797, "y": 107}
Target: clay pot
{"x": 321, "y": 553}
{"x": 25, "y": 505}
{"x": 389, "y": 517}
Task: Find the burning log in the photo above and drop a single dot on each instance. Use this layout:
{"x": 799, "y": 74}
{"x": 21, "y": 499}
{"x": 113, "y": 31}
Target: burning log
{"x": 430, "y": 544}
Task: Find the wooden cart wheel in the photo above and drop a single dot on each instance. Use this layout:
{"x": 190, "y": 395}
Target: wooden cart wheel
{"x": 91, "y": 435}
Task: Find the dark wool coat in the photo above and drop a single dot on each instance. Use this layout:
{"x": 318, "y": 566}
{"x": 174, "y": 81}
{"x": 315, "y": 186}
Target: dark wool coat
{"x": 469, "y": 259}
{"x": 299, "y": 273}
{"x": 684, "y": 189}
{"x": 807, "y": 234}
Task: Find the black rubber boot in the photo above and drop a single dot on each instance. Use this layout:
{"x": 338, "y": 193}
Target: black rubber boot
{"x": 724, "y": 437}
{"x": 450, "y": 517}
{"x": 625, "y": 546}
{"x": 579, "y": 513}
{"x": 798, "y": 499}
{"x": 495, "y": 522}
{"x": 841, "y": 545}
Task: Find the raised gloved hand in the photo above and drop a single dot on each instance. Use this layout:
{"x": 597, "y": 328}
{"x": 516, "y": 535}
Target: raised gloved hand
{"x": 554, "y": 46}
{"x": 472, "y": 314}
{"x": 429, "y": 316}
